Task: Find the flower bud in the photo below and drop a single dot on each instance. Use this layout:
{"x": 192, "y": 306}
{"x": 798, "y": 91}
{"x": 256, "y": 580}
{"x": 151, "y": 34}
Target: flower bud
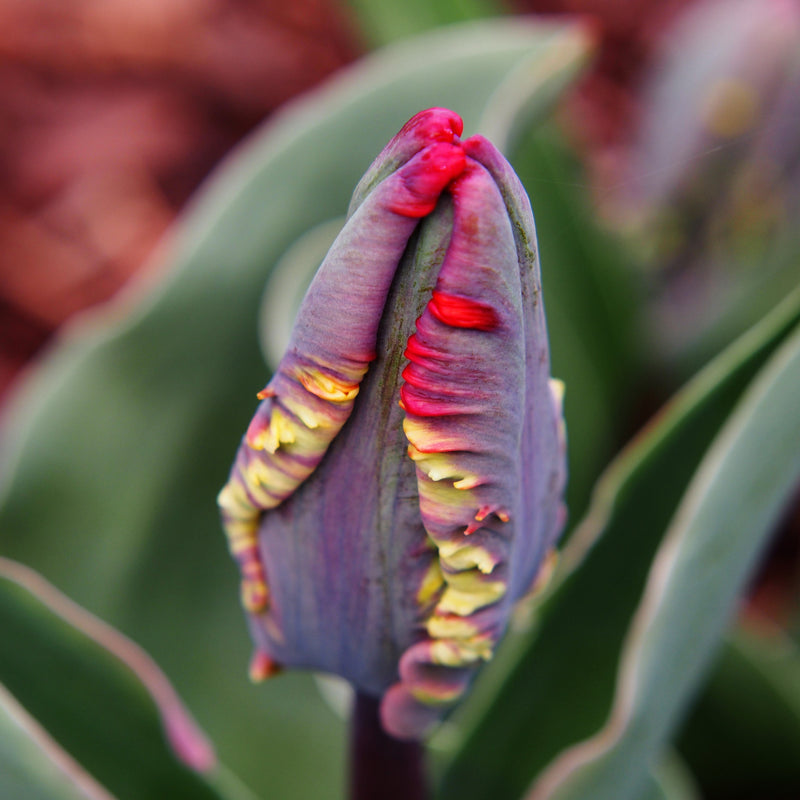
{"x": 401, "y": 482}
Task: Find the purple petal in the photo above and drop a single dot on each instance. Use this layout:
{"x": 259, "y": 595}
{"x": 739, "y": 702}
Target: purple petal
{"x": 416, "y": 390}
{"x": 544, "y": 473}
{"x": 348, "y": 559}
{"x": 485, "y": 434}
{"x": 311, "y": 395}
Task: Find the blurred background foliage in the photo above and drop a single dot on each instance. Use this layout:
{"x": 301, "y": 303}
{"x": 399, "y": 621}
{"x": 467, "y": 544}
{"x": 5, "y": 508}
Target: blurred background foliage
{"x": 660, "y": 144}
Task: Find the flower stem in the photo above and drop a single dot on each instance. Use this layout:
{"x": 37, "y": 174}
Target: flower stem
{"x": 382, "y": 767}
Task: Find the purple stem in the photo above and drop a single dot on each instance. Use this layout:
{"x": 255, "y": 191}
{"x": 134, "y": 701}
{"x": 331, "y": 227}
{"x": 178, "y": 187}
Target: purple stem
{"x": 382, "y": 767}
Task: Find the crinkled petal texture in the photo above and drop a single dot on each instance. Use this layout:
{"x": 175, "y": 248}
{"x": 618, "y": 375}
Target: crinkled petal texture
{"x": 402, "y": 480}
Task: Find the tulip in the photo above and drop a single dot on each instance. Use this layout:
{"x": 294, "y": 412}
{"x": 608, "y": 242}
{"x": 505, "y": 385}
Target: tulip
{"x": 401, "y": 482}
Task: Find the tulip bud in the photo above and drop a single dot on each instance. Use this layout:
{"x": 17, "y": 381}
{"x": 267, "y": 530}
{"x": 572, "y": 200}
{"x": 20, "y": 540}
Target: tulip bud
{"x": 401, "y": 482}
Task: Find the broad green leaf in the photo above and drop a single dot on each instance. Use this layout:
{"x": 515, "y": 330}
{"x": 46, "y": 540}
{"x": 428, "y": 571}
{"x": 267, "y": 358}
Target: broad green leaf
{"x": 743, "y": 734}
{"x": 554, "y": 686}
{"x": 118, "y": 444}
{"x": 32, "y": 766}
{"x": 713, "y": 542}
{"x": 384, "y": 21}
{"x": 96, "y": 694}
{"x": 591, "y": 306}
{"x": 531, "y": 88}
{"x": 669, "y": 780}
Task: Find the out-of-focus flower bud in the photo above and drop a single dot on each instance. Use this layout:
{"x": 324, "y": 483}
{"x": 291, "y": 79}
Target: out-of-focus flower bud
{"x": 401, "y": 482}
{"x": 717, "y": 85}
{"x": 711, "y": 196}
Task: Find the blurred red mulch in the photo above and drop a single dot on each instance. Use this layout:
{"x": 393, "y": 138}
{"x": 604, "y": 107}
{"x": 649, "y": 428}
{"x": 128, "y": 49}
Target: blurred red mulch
{"x": 630, "y": 32}
{"x": 111, "y": 113}
{"x": 602, "y": 114}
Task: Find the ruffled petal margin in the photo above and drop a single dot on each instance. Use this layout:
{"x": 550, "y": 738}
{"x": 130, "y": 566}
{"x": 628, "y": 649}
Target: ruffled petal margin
{"x": 311, "y": 395}
{"x": 485, "y": 434}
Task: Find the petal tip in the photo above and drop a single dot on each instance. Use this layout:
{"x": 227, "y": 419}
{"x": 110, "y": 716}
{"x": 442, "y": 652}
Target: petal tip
{"x": 434, "y": 124}
{"x": 405, "y": 717}
{"x": 262, "y": 666}
{"x": 424, "y": 179}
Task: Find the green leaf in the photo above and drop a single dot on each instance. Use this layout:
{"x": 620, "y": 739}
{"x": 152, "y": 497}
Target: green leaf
{"x": 384, "y": 21}
{"x": 554, "y": 686}
{"x": 32, "y": 766}
{"x": 712, "y": 544}
{"x": 528, "y": 93}
{"x": 669, "y": 780}
{"x": 118, "y": 444}
{"x": 591, "y": 304}
{"x": 743, "y": 735}
{"x": 96, "y": 695}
